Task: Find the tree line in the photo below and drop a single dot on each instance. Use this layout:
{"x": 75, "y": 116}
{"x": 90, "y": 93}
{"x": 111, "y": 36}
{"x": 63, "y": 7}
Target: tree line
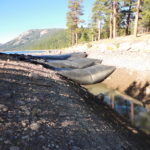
{"x": 109, "y": 19}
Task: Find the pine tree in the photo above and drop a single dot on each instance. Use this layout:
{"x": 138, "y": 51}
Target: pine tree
{"x": 100, "y": 12}
{"x": 116, "y": 16}
{"x": 111, "y": 20}
{"x": 146, "y": 15}
{"x": 137, "y": 18}
{"x": 97, "y": 16}
{"x": 73, "y": 18}
{"x": 129, "y": 13}
{"x": 115, "y": 13}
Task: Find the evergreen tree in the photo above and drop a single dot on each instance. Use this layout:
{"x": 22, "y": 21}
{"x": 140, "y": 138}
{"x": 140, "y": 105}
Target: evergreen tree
{"x": 146, "y": 15}
{"x": 137, "y": 17}
{"x": 73, "y": 18}
{"x": 127, "y": 15}
{"x": 111, "y": 20}
{"x": 115, "y": 13}
{"x": 83, "y": 34}
{"x": 116, "y": 16}
{"x": 102, "y": 10}
{"x": 98, "y": 15}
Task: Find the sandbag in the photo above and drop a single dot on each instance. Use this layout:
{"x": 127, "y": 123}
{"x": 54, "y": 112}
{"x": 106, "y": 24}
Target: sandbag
{"x": 52, "y": 57}
{"x": 78, "y": 55}
{"x": 74, "y": 64}
{"x": 61, "y": 57}
{"x": 90, "y": 75}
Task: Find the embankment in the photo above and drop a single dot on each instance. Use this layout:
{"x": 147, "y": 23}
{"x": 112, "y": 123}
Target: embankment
{"x": 39, "y": 110}
{"x": 130, "y": 56}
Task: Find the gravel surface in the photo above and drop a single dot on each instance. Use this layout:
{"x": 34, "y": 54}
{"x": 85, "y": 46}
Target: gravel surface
{"x": 124, "y": 59}
{"x": 38, "y": 110}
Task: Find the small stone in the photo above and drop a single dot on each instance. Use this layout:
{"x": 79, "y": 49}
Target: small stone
{"x": 3, "y": 64}
{"x": 21, "y": 102}
{"x": 14, "y": 148}
{"x": 57, "y": 146}
{"x": 49, "y": 145}
{"x": 33, "y": 75}
{"x": 3, "y": 107}
{"x": 27, "y": 112}
{"x": 14, "y": 92}
{"x": 71, "y": 142}
{"x": 34, "y": 126}
{"x": 9, "y": 131}
{"x": 75, "y": 148}
{"x": 7, "y": 142}
{"x": 41, "y": 137}
{"x": 100, "y": 96}
{"x": 23, "y": 123}
{"x": 45, "y": 148}
{"x": 25, "y": 137}
{"x": 147, "y": 90}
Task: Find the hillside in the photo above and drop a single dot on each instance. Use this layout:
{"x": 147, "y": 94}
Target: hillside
{"x": 29, "y": 38}
{"x": 58, "y": 40}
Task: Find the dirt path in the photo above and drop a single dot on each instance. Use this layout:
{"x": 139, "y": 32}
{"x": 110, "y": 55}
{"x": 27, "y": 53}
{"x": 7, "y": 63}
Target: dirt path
{"x": 38, "y": 110}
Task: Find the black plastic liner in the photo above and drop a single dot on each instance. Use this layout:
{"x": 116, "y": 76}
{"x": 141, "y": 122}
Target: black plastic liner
{"x": 74, "y": 64}
{"x": 90, "y": 75}
{"x": 61, "y": 57}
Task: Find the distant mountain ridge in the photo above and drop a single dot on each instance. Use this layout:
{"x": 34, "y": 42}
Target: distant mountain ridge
{"x": 26, "y": 39}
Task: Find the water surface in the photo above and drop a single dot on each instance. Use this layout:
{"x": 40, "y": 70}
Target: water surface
{"x": 24, "y": 52}
{"x": 125, "y": 105}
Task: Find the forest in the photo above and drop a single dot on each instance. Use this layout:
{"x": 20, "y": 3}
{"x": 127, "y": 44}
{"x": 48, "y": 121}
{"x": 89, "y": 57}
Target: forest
{"x": 109, "y": 19}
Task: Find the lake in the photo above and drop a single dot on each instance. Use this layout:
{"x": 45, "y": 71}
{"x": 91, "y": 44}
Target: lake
{"x": 23, "y": 52}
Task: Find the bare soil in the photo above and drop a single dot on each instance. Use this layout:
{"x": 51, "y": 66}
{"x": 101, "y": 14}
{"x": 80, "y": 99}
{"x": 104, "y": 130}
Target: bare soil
{"x": 133, "y": 83}
{"x": 39, "y": 110}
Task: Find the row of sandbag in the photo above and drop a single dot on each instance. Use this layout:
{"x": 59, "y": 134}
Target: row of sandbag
{"x": 70, "y": 56}
{"x": 79, "y": 68}
{"x": 67, "y": 61}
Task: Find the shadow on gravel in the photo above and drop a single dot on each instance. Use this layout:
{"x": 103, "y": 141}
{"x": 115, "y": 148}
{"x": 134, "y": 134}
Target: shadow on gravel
{"x": 34, "y": 113}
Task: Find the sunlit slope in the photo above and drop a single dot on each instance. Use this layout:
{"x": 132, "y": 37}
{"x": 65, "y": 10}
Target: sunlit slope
{"x": 36, "y": 39}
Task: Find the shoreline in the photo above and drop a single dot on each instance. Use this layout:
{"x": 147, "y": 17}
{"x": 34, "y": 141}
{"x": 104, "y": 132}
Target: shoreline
{"x": 132, "y": 82}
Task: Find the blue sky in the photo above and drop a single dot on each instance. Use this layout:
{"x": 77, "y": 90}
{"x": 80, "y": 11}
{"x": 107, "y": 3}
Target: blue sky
{"x": 18, "y": 16}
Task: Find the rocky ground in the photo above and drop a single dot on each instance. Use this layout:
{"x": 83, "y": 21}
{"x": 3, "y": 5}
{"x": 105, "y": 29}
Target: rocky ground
{"x": 39, "y": 110}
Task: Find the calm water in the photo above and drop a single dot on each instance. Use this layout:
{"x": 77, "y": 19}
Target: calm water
{"x": 23, "y": 52}
{"x": 126, "y": 106}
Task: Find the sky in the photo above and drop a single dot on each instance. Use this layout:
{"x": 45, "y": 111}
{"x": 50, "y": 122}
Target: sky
{"x": 17, "y": 16}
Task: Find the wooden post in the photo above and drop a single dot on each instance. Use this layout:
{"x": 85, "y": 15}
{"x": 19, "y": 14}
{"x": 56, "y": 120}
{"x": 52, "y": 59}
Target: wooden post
{"x": 132, "y": 113}
{"x": 112, "y": 101}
